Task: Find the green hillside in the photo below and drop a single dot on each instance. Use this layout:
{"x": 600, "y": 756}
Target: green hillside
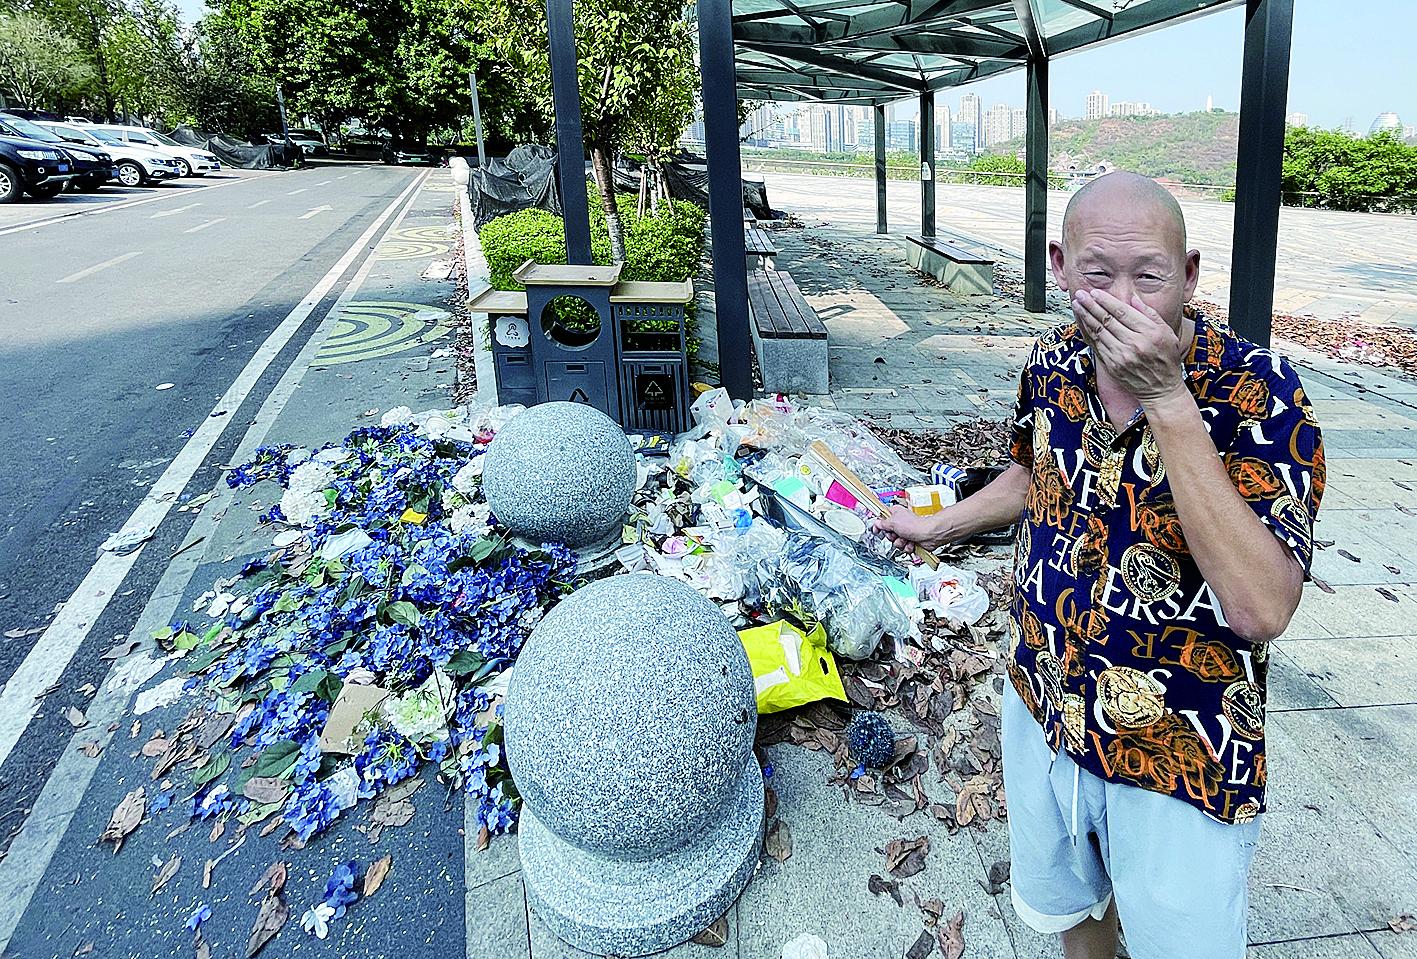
{"x": 1190, "y": 147}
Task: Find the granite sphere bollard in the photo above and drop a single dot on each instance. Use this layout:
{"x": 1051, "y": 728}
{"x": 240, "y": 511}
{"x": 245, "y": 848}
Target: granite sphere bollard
{"x": 560, "y": 473}
{"x": 629, "y": 726}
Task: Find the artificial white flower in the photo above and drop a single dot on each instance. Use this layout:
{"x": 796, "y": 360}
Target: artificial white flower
{"x": 465, "y": 479}
{"x": 304, "y": 500}
{"x": 397, "y": 416}
{"x": 316, "y": 920}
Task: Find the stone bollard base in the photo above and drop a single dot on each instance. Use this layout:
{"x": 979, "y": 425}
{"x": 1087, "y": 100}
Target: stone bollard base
{"x": 634, "y": 908}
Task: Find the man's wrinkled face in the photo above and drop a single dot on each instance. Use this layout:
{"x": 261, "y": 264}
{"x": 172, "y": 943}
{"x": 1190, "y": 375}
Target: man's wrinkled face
{"x": 1127, "y": 249}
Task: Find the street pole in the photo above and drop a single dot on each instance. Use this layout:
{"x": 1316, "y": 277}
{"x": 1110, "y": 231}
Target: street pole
{"x": 570, "y": 142}
{"x": 477, "y": 119}
{"x": 1035, "y": 190}
{"x": 280, "y": 102}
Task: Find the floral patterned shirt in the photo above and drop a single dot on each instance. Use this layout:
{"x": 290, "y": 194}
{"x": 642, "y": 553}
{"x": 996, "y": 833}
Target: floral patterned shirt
{"x": 1118, "y": 646}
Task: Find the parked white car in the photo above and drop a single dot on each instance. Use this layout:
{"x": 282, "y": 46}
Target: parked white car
{"x": 194, "y": 162}
{"x": 134, "y": 165}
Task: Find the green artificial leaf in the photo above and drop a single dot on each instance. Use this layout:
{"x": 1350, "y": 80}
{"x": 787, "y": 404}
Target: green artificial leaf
{"x": 330, "y": 496}
{"x": 164, "y": 633}
{"x": 404, "y": 612}
{"x": 258, "y": 812}
{"x": 310, "y": 681}
{"x": 288, "y": 603}
{"x": 277, "y": 759}
{"x": 214, "y": 767}
{"x": 185, "y": 640}
{"x": 463, "y": 662}
{"x": 203, "y": 658}
{"x": 482, "y": 549}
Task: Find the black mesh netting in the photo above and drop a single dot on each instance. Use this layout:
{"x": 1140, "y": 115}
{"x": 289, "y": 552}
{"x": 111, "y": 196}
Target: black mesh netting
{"x": 236, "y": 152}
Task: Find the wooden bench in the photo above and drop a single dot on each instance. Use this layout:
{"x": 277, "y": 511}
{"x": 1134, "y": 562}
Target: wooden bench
{"x": 757, "y": 243}
{"x": 790, "y": 338}
{"x": 958, "y": 269}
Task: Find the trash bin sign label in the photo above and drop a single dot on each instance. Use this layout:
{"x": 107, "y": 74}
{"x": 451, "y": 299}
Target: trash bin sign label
{"x": 513, "y": 331}
{"x": 654, "y": 391}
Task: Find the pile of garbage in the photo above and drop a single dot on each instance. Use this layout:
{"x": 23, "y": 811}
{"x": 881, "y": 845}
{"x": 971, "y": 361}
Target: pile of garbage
{"x": 378, "y": 634}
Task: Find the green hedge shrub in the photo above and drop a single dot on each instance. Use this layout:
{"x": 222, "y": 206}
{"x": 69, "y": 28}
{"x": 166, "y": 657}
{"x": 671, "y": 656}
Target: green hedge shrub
{"x": 663, "y": 247}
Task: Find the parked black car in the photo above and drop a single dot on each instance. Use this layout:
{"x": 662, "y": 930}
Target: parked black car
{"x": 32, "y": 166}
{"x": 92, "y": 167}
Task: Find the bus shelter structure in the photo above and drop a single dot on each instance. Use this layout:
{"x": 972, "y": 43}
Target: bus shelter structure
{"x": 876, "y": 52}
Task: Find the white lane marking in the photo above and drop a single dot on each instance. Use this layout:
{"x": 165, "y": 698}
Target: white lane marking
{"x": 341, "y": 176}
{"x": 296, "y": 192}
{"x": 316, "y": 211}
{"x": 90, "y": 271}
{"x": 110, "y": 207}
{"x": 258, "y": 203}
{"x": 33, "y": 848}
{"x": 48, "y": 658}
{"x": 324, "y": 183}
{"x": 173, "y": 212}
{"x": 203, "y": 226}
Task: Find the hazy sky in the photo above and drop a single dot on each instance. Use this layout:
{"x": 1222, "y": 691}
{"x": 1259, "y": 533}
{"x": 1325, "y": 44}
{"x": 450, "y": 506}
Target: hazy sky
{"x": 1351, "y": 58}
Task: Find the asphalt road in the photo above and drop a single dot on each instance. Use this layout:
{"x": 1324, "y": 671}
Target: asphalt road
{"x": 120, "y": 328}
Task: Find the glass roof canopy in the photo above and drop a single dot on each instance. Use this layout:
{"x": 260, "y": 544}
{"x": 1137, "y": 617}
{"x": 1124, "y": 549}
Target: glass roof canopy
{"x": 877, "y": 51}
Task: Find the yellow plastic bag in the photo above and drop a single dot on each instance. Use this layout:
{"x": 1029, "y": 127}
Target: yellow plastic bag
{"x": 789, "y": 668}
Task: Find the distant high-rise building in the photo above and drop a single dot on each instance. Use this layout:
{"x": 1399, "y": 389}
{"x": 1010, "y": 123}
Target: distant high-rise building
{"x": 1209, "y": 103}
{"x": 996, "y": 124}
{"x": 1018, "y": 123}
{"x": 1386, "y": 123}
{"x": 900, "y": 135}
{"x": 1132, "y": 108}
{"x": 942, "y": 127}
{"x": 962, "y": 136}
{"x": 1052, "y": 117}
{"x": 971, "y": 111}
{"x": 1297, "y": 119}
{"x": 1097, "y": 105}
{"x": 1409, "y": 130}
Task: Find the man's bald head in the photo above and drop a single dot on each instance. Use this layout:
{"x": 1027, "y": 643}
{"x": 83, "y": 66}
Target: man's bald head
{"x": 1112, "y": 194}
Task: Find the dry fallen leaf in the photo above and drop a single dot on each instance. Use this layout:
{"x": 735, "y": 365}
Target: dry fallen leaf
{"x": 91, "y": 750}
{"x": 272, "y": 881}
{"x": 1402, "y": 923}
{"x": 165, "y": 874}
{"x": 998, "y": 878}
{"x": 20, "y": 633}
{"x": 951, "y": 937}
{"x": 378, "y": 871}
{"x": 877, "y": 885}
{"x": 715, "y": 935}
{"x": 76, "y": 718}
{"x": 922, "y": 947}
{"x": 83, "y": 950}
{"x": 483, "y": 838}
{"x": 906, "y": 857}
{"x": 207, "y": 873}
{"x": 266, "y": 789}
{"x": 778, "y": 844}
{"x": 273, "y": 915}
{"x": 125, "y": 818}
{"x": 200, "y": 948}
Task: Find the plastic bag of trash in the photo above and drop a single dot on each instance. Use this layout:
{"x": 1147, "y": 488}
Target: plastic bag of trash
{"x": 816, "y": 579}
{"x": 791, "y": 668}
{"x": 775, "y": 426}
{"x": 805, "y": 946}
{"x": 950, "y": 593}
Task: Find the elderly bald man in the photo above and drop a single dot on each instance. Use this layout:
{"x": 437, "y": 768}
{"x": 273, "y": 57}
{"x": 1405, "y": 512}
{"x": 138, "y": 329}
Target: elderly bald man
{"x": 1166, "y": 475}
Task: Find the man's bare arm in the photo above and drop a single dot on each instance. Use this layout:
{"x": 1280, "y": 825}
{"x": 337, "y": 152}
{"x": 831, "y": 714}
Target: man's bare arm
{"x": 996, "y": 505}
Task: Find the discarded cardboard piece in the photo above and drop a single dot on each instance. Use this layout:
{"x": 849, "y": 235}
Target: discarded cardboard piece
{"x": 351, "y": 705}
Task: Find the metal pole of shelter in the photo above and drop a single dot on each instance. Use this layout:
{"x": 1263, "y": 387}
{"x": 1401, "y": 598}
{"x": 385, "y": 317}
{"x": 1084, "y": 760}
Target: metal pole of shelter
{"x": 1035, "y": 240}
{"x": 280, "y": 102}
{"x": 570, "y": 142}
{"x": 477, "y": 120}
{"x": 725, "y": 173}
{"x": 880, "y": 118}
{"x": 927, "y": 163}
{"x": 1264, "y": 92}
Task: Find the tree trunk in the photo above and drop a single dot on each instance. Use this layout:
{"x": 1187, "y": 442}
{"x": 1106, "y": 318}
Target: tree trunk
{"x": 644, "y": 191}
{"x": 605, "y": 181}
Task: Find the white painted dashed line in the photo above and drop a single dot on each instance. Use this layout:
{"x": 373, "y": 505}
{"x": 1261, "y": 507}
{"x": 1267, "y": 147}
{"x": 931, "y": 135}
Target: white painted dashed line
{"x": 258, "y": 203}
{"x": 90, "y": 271}
{"x": 324, "y": 183}
{"x": 203, "y": 226}
{"x": 174, "y": 211}
{"x": 296, "y": 192}
{"x": 341, "y": 176}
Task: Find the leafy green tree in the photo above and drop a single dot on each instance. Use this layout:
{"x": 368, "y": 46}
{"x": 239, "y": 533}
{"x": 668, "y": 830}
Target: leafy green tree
{"x": 151, "y": 67}
{"x": 1330, "y": 168}
{"x": 89, "y": 23}
{"x": 39, "y": 64}
{"x": 636, "y": 72}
